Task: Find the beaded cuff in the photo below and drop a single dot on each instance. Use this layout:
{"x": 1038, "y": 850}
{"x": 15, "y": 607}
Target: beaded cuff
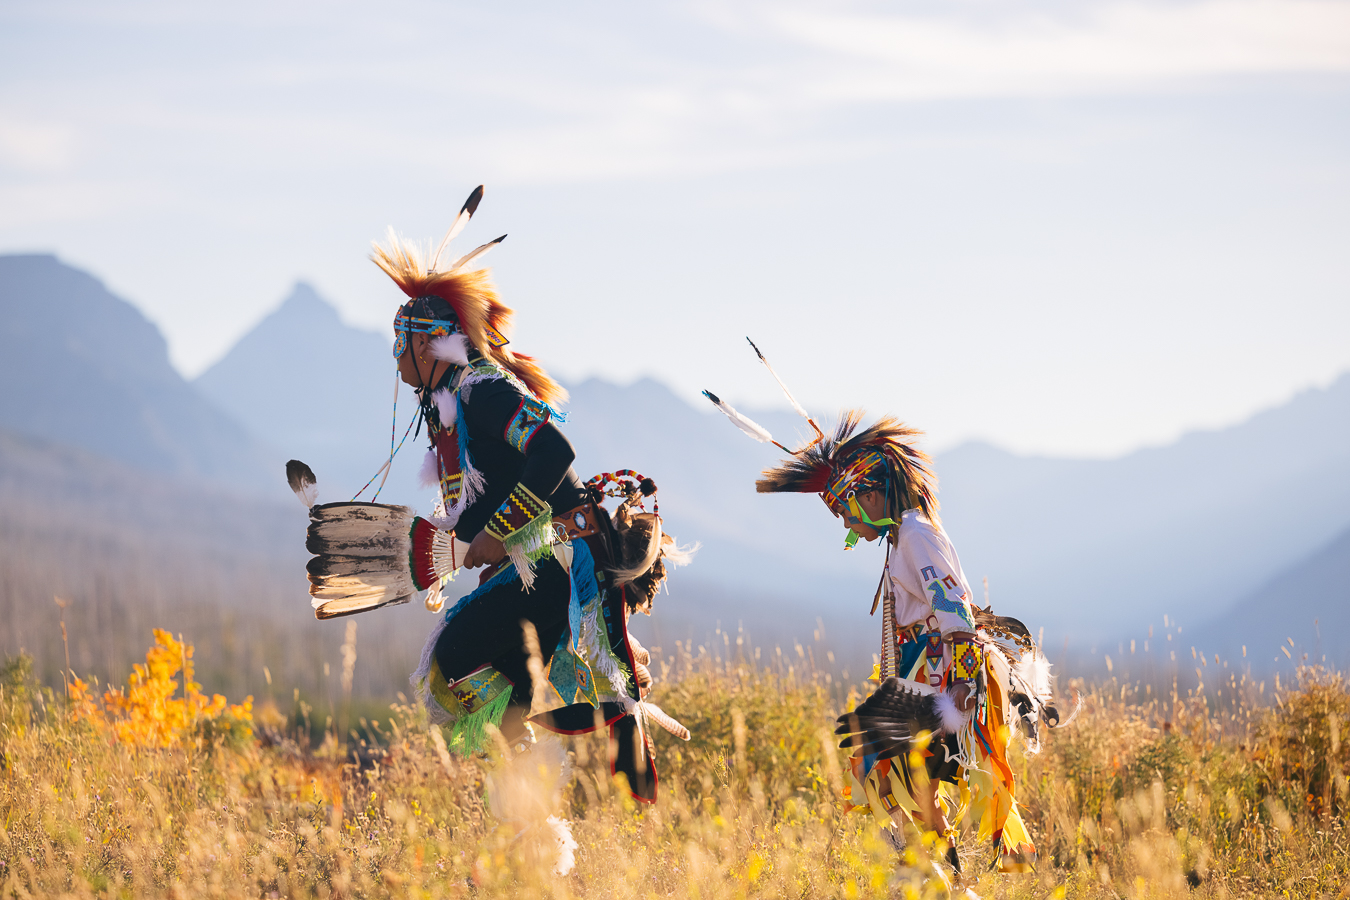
{"x": 520, "y": 509}
{"x": 967, "y": 660}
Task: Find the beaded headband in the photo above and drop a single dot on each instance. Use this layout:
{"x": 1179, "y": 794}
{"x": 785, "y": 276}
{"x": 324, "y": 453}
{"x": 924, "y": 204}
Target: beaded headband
{"x": 851, "y": 476}
{"x": 405, "y": 325}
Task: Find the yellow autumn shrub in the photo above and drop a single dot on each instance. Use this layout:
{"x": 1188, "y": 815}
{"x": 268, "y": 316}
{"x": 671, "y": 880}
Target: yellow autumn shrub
{"x": 158, "y": 707}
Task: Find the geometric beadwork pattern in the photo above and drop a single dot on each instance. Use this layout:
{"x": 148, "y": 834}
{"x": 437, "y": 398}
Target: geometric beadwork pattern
{"x": 520, "y": 508}
{"x": 529, "y": 416}
{"x": 967, "y": 660}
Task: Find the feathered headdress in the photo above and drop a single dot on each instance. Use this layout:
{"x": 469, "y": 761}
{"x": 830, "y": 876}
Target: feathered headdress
{"x": 483, "y": 318}
{"x": 847, "y": 462}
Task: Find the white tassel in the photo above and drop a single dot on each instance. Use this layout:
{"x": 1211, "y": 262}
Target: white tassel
{"x": 446, "y": 407}
{"x": 756, "y": 431}
{"x": 429, "y": 474}
{"x": 451, "y": 348}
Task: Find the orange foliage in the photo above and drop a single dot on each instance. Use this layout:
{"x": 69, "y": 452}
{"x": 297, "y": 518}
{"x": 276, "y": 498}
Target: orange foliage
{"x": 149, "y": 712}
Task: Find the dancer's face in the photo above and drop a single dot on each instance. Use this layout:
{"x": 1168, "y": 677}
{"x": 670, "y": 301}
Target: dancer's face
{"x": 874, "y": 504}
{"x": 415, "y": 356}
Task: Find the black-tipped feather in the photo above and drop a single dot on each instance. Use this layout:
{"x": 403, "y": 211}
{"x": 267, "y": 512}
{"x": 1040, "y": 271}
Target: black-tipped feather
{"x": 888, "y": 722}
{"x": 301, "y": 479}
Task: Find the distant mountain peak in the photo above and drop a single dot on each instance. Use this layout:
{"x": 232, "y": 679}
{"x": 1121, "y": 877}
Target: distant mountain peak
{"x": 304, "y": 299}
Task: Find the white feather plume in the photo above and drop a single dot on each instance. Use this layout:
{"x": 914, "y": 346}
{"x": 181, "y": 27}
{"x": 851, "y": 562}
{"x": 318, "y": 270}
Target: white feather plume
{"x": 952, "y": 718}
{"x": 429, "y": 474}
{"x": 453, "y": 348}
{"x": 446, "y": 407}
{"x": 755, "y": 430}
{"x": 1033, "y": 670}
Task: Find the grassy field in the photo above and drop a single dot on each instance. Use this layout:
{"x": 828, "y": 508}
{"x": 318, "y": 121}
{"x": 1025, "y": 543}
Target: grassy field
{"x": 157, "y": 790}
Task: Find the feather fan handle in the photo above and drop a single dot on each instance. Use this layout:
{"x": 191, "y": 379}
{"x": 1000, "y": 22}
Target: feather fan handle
{"x": 465, "y": 213}
{"x": 301, "y": 479}
{"x": 750, "y": 427}
{"x": 477, "y": 252}
{"x": 801, "y": 411}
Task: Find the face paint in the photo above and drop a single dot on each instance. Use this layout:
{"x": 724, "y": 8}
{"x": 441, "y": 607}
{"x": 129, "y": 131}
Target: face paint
{"x": 858, "y": 514}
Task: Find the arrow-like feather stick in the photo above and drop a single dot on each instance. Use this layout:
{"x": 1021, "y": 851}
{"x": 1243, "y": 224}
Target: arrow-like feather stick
{"x": 301, "y": 479}
{"x": 477, "y": 252}
{"x": 465, "y": 213}
{"x": 791, "y": 399}
{"x": 750, "y": 427}
{"x": 657, "y": 715}
{"x": 801, "y": 411}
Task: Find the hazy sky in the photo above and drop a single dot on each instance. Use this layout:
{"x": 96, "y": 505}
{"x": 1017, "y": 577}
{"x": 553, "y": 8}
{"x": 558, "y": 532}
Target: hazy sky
{"x": 1073, "y": 228}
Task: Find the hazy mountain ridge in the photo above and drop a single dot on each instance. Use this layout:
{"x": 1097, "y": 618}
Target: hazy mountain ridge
{"x": 132, "y": 551}
{"x": 85, "y": 368}
{"x": 1186, "y": 529}
{"x": 1095, "y": 549}
{"x": 312, "y": 388}
{"x": 1304, "y": 609}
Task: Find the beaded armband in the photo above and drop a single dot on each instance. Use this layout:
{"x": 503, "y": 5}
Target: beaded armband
{"x": 529, "y": 416}
{"x": 520, "y": 509}
{"x": 967, "y": 660}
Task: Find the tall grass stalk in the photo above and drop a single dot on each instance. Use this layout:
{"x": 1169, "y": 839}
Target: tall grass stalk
{"x": 1143, "y": 796}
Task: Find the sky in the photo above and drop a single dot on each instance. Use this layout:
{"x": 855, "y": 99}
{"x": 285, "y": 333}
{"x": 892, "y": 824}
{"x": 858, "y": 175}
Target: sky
{"x": 1072, "y": 229}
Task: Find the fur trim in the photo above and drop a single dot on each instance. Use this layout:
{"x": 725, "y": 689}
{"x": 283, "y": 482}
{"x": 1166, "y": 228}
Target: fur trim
{"x": 446, "y": 407}
{"x": 452, "y": 348}
{"x": 953, "y": 720}
{"x": 429, "y": 474}
{"x": 473, "y": 297}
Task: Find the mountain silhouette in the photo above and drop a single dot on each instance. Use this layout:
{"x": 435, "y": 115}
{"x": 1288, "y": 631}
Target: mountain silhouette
{"x": 84, "y": 368}
{"x": 1097, "y": 548}
{"x": 315, "y": 389}
{"x": 1092, "y": 550}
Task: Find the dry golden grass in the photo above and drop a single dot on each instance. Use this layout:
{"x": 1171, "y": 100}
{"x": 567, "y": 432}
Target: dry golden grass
{"x": 1142, "y": 797}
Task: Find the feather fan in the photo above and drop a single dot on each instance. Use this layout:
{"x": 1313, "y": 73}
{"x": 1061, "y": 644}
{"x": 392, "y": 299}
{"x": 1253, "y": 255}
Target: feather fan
{"x": 888, "y": 723}
{"x": 368, "y": 555}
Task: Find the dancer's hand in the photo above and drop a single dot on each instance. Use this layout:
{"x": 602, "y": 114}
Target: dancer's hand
{"x": 485, "y": 550}
{"x": 963, "y": 696}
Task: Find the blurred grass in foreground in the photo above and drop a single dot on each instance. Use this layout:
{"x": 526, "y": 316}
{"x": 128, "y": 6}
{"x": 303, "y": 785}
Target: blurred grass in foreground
{"x": 1143, "y": 796}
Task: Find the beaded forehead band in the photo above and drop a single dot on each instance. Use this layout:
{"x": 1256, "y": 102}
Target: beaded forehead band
{"x": 850, "y": 476}
{"x": 405, "y": 324}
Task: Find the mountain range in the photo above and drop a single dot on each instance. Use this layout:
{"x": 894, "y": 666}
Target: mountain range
{"x": 84, "y": 368}
{"x": 1209, "y": 530}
